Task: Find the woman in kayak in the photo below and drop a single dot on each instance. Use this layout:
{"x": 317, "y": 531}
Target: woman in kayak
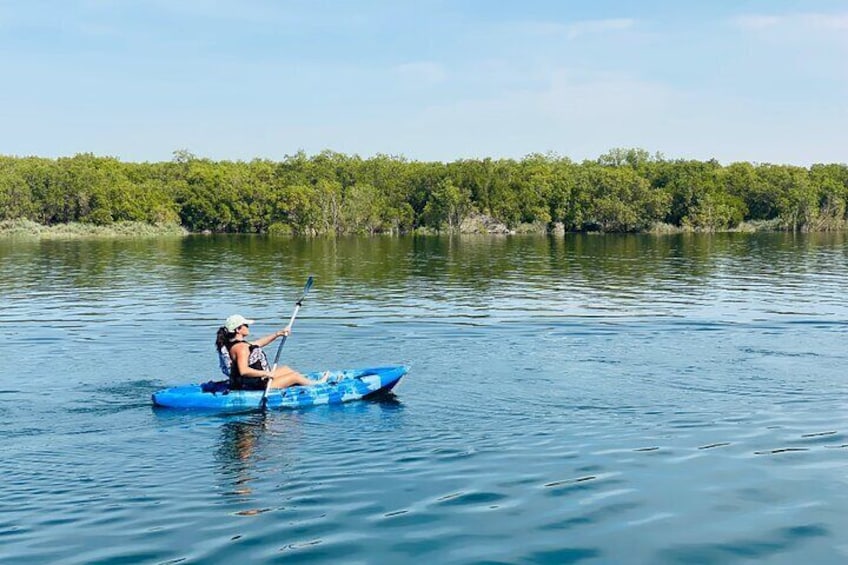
{"x": 248, "y": 367}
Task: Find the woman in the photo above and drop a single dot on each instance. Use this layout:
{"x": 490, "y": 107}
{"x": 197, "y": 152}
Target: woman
{"x": 248, "y": 367}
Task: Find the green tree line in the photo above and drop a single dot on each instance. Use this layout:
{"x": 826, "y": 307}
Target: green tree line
{"x": 623, "y": 190}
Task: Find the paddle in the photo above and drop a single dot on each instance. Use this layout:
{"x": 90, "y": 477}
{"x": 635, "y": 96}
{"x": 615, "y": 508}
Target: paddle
{"x": 297, "y": 306}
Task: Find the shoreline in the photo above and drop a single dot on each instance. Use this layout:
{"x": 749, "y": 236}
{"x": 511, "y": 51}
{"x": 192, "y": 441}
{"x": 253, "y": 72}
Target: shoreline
{"x": 26, "y": 229}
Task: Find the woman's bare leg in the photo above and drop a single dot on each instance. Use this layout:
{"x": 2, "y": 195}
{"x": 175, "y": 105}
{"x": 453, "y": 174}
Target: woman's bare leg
{"x": 285, "y": 377}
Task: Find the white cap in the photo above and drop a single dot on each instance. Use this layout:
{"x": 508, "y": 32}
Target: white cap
{"x": 235, "y": 321}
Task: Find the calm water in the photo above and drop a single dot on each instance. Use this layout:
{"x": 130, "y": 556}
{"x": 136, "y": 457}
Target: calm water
{"x": 598, "y": 399}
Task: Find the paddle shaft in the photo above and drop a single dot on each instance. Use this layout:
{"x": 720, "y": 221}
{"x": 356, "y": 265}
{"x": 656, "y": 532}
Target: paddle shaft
{"x": 297, "y": 306}
{"x": 283, "y": 341}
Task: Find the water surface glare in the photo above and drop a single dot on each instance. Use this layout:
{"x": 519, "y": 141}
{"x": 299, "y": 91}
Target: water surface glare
{"x": 595, "y": 399}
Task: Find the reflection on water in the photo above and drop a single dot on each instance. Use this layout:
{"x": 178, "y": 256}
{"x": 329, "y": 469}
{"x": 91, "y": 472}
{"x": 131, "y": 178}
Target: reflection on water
{"x": 628, "y": 398}
{"x": 615, "y": 274}
{"x": 237, "y": 451}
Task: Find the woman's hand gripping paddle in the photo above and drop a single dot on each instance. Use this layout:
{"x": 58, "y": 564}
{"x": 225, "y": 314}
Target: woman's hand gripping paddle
{"x": 297, "y": 305}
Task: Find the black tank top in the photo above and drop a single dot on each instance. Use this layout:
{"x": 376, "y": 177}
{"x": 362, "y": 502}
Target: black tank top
{"x": 256, "y": 360}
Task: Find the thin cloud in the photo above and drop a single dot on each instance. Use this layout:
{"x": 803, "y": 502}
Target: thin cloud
{"x": 832, "y": 22}
{"x": 805, "y": 21}
{"x": 600, "y": 26}
{"x": 576, "y": 29}
{"x": 756, "y": 22}
{"x": 426, "y": 72}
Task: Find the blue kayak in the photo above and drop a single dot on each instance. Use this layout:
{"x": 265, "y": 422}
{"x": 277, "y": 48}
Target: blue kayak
{"x": 342, "y": 386}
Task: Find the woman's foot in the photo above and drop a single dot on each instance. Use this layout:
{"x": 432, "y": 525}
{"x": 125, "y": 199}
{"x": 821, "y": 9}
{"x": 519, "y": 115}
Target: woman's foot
{"x": 324, "y": 376}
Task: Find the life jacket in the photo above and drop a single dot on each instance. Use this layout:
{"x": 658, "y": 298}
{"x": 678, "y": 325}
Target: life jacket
{"x": 224, "y": 360}
{"x": 256, "y": 360}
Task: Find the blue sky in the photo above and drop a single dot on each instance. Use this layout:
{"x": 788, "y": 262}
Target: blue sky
{"x": 759, "y": 81}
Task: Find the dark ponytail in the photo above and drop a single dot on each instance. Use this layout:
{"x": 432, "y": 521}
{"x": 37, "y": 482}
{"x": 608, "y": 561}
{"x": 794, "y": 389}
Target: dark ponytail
{"x": 223, "y": 337}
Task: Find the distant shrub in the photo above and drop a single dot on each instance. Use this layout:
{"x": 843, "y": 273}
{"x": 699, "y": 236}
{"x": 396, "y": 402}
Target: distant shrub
{"x": 76, "y": 230}
{"x": 279, "y": 229}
